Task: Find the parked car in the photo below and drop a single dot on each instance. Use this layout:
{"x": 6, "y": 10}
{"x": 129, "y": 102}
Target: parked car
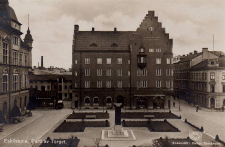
{"x": 60, "y": 104}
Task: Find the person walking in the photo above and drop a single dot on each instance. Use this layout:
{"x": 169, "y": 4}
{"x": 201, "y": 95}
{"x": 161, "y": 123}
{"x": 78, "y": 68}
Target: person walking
{"x": 197, "y": 107}
{"x": 173, "y": 104}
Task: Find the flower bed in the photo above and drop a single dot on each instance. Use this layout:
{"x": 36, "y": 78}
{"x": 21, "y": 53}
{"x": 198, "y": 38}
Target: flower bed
{"x": 157, "y": 115}
{"x": 153, "y": 126}
{"x": 79, "y": 126}
{"x": 99, "y": 115}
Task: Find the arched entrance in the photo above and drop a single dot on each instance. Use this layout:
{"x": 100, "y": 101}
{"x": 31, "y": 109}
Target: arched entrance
{"x": 212, "y": 103}
{"x": 141, "y": 102}
{"x": 120, "y": 99}
{"x": 158, "y": 102}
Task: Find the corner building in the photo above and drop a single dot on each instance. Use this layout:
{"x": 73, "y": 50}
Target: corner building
{"x": 15, "y": 62}
{"x": 129, "y": 67}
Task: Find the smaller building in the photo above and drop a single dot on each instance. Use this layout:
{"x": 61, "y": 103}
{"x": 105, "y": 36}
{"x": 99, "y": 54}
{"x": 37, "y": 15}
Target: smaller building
{"x": 48, "y": 85}
{"x": 208, "y": 83}
{"x": 199, "y": 78}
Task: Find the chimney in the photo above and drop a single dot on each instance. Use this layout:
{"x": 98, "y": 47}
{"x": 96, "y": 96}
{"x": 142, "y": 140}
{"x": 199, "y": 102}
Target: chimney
{"x": 205, "y": 53}
{"x": 76, "y": 28}
{"x": 93, "y": 29}
{"x": 190, "y": 53}
{"x": 41, "y": 61}
{"x": 115, "y": 29}
{"x": 195, "y": 52}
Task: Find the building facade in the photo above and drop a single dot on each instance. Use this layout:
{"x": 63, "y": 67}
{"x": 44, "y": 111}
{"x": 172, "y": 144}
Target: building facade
{"x": 50, "y": 85}
{"x": 15, "y": 61}
{"x": 198, "y": 78}
{"x": 129, "y": 67}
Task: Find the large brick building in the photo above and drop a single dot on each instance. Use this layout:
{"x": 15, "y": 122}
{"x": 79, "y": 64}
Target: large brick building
{"x": 15, "y": 61}
{"x": 131, "y": 67}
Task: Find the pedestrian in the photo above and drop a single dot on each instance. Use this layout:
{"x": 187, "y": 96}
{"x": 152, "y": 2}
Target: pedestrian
{"x": 197, "y": 108}
{"x": 173, "y": 104}
{"x": 223, "y": 108}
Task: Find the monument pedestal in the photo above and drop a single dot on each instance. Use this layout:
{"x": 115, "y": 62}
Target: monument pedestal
{"x": 117, "y": 132}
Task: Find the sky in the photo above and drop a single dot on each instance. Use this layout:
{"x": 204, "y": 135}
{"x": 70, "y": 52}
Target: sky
{"x": 190, "y": 23}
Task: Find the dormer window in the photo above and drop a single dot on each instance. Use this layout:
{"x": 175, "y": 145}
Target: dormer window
{"x": 93, "y": 45}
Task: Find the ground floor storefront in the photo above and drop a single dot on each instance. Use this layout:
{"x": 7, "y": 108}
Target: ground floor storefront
{"x": 204, "y": 99}
{"x": 130, "y": 98}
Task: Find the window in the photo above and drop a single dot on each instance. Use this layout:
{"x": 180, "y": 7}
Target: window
{"x": 75, "y": 61}
{"x": 144, "y": 84}
{"x": 167, "y": 60}
{"x": 139, "y": 72}
{"x": 99, "y": 72}
{"x": 87, "y": 101}
{"x": 142, "y": 59}
{"x": 223, "y": 88}
{"x": 25, "y": 60}
{"x": 95, "y": 101}
{"x": 108, "y": 60}
{"x": 144, "y": 72}
{"x": 75, "y": 73}
{"x": 15, "y": 40}
{"x": 21, "y": 59}
{"x": 108, "y": 84}
{"x": 167, "y": 72}
{"x": 128, "y": 61}
{"x": 15, "y": 57}
{"x": 212, "y": 88}
{"x": 75, "y": 85}
{"x": 151, "y": 50}
{"x": 212, "y": 76}
{"x": 99, "y": 84}
{"x": 5, "y": 53}
{"x": 108, "y": 72}
{"x": 128, "y": 73}
{"x": 108, "y": 101}
{"x": 119, "y": 60}
{"x": 119, "y": 84}
{"x": 60, "y": 87}
{"x": 87, "y": 84}
{"x": 158, "y": 50}
{"x": 99, "y": 60}
{"x": 86, "y": 60}
{"x": 158, "y": 60}
{"x": 5, "y": 80}
{"x": 65, "y": 87}
{"x": 15, "y": 80}
{"x": 142, "y": 50}
{"x": 223, "y": 75}
{"x": 21, "y": 81}
{"x": 158, "y": 72}
{"x": 167, "y": 84}
{"x": 119, "y": 72}
{"x": 158, "y": 84}
{"x": 139, "y": 83}
{"x": 87, "y": 72}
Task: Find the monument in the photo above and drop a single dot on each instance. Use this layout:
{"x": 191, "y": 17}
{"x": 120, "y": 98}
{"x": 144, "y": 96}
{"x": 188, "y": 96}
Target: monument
{"x": 117, "y": 132}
